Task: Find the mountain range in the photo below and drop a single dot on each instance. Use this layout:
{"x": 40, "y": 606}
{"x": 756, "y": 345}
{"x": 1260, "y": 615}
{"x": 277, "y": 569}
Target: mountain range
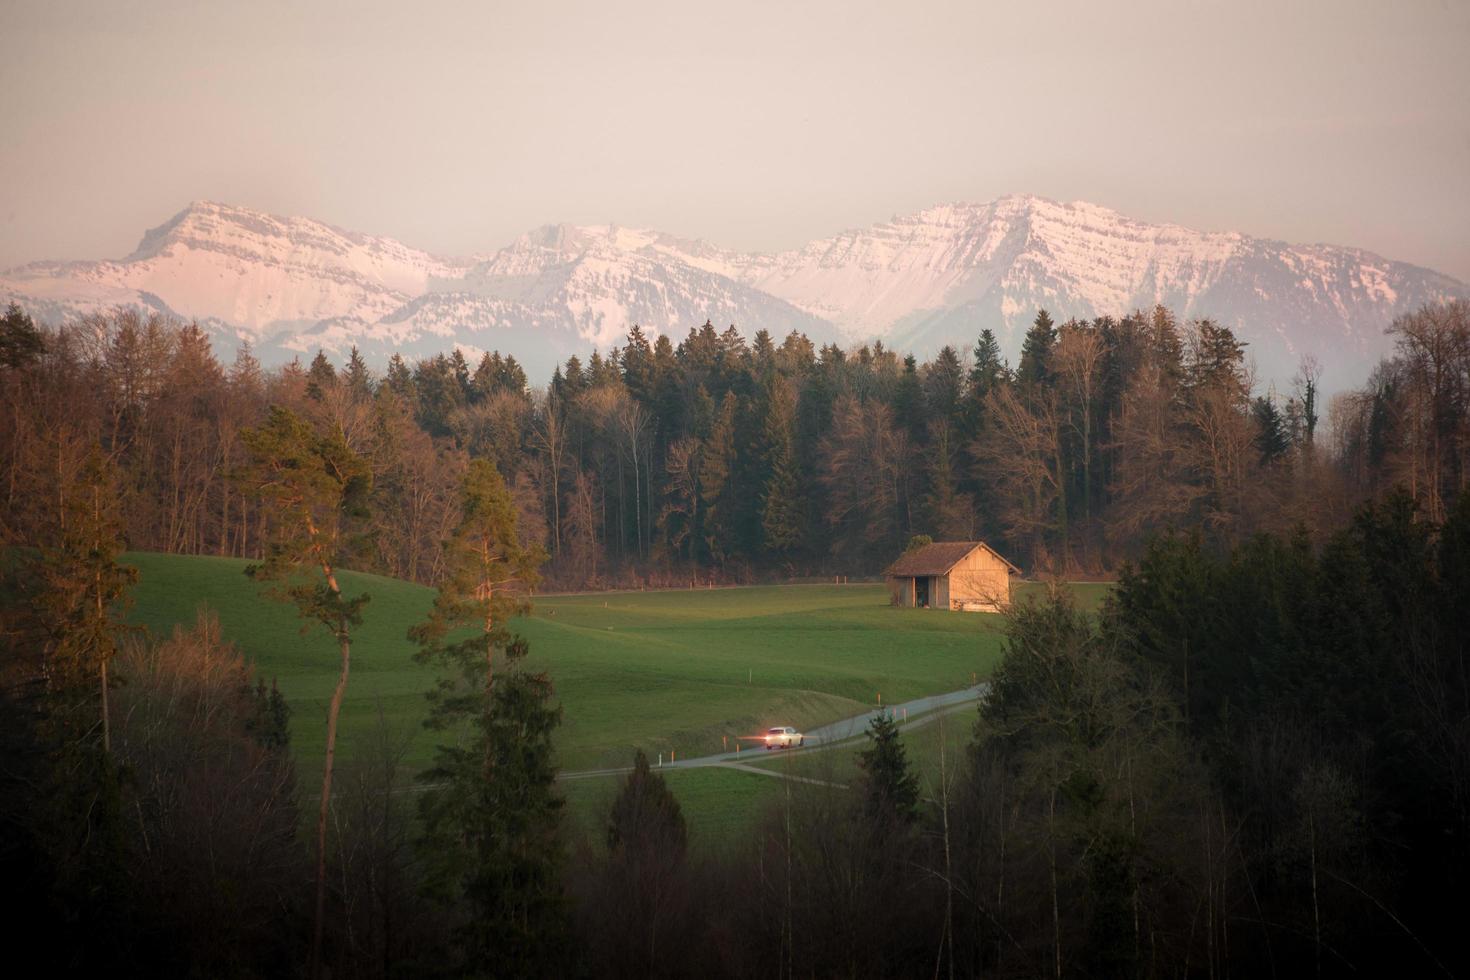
{"x": 292, "y": 285}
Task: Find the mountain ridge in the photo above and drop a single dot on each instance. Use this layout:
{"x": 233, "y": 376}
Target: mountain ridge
{"x": 918, "y": 281}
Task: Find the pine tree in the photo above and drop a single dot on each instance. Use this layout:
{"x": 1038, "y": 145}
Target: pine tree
{"x": 1036, "y": 351}
{"x": 908, "y": 400}
{"x": 715, "y": 470}
{"x": 783, "y": 504}
{"x": 357, "y": 378}
{"x": 638, "y": 368}
{"x": 646, "y": 813}
{"x": 890, "y": 790}
{"x": 491, "y": 814}
{"x": 312, "y": 484}
{"x": 400, "y": 381}
{"x": 245, "y": 373}
{"x": 321, "y": 377}
{"x": 944, "y": 385}
{"x": 21, "y": 344}
{"x": 1217, "y": 360}
{"x": 987, "y": 373}
{"x": 1271, "y": 439}
{"x": 989, "y": 370}
{"x": 576, "y": 378}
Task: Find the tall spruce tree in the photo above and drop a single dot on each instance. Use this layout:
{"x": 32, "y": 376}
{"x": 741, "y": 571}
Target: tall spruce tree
{"x": 321, "y": 377}
{"x": 490, "y": 812}
{"x": 890, "y": 790}
{"x": 21, "y": 343}
{"x": 357, "y": 377}
{"x": 783, "y": 502}
{"x": 1036, "y": 350}
{"x": 716, "y": 468}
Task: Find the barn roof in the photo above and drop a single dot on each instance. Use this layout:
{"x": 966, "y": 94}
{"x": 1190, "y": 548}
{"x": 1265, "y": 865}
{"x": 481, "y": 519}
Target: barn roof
{"x": 938, "y": 558}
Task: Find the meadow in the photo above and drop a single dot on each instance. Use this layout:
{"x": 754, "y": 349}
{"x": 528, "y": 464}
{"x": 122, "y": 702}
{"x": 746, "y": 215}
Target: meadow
{"x": 669, "y": 672}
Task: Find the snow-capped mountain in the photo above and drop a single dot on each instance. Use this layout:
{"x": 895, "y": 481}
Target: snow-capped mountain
{"x": 254, "y": 274}
{"x": 291, "y": 285}
{"x": 938, "y": 276}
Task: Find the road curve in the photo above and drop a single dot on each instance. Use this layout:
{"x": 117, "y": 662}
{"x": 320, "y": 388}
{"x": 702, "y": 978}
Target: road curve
{"x": 825, "y": 737}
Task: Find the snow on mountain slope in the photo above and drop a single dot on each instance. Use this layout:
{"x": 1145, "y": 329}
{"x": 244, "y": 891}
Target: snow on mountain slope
{"x": 257, "y": 272}
{"x": 917, "y": 282}
{"x": 601, "y": 280}
{"x": 939, "y": 276}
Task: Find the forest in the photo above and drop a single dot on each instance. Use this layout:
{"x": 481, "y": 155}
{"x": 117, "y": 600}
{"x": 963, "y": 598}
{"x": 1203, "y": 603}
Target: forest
{"x": 1255, "y": 760}
{"x": 721, "y": 460}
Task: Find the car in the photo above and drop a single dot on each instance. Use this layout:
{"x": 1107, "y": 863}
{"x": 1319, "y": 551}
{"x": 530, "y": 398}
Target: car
{"x": 783, "y": 738}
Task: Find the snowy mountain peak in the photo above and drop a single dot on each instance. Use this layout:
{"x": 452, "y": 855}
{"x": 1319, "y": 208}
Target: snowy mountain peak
{"x": 918, "y": 281}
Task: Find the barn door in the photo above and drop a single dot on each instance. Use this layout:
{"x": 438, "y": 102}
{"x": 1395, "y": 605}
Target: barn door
{"x": 921, "y": 592}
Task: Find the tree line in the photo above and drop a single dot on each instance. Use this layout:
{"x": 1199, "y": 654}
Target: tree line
{"x": 718, "y": 458}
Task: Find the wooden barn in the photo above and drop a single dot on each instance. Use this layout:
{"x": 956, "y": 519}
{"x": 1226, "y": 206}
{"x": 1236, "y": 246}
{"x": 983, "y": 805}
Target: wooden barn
{"x": 969, "y": 576}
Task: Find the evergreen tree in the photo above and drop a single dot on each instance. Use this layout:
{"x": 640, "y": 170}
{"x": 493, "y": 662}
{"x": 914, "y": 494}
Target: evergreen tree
{"x": 989, "y": 370}
{"x": 511, "y": 377}
{"x": 400, "y": 381}
{"x": 890, "y": 790}
{"x": 459, "y": 369}
{"x": 440, "y": 393}
{"x": 1036, "y": 350}
{"x": 1167, "y": 346}
{"x": 638, "y": 366}
{"x": 908, "y": 400}
{"x": 491, "y": 814}
{"x": 312, "y": 485}
{"x": 357, "y": 378}
{"x": 21, "y": 344}
{"x": 321, "y": 377}
{"x": 715, "y": 486}
{"x": 763, "y": 356}
{"x": 646, "y": 814}
{"x": 1271, "y": 440}
{"x": 783, "y": 502}
{"x": 944, "y": 385}
{"x": 576, "y": 378}
{"x": 245, "y": 373}
{"x": 1217, "y": 360}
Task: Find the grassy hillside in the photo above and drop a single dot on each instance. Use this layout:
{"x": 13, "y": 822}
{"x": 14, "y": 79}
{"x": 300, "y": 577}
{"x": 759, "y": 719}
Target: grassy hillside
{"x": 665, "y": 671}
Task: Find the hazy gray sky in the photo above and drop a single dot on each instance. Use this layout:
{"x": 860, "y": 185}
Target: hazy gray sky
{"x": 456, "y": 126}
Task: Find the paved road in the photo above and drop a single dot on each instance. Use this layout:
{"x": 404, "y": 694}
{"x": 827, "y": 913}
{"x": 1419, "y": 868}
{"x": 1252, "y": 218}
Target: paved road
{"x": 825, "y": 737}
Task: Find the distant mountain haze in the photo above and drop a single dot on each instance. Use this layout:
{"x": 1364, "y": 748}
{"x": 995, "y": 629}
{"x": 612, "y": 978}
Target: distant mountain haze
{"x": 918, "y": 282}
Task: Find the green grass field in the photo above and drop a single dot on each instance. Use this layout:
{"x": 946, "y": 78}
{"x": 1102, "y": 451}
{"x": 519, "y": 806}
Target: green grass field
{"x": 664, "y": 671}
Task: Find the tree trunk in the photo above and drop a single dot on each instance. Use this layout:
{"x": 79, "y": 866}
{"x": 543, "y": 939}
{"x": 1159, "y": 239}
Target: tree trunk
{"x": 321, "y": 820}
{"x": 106, "y": 714}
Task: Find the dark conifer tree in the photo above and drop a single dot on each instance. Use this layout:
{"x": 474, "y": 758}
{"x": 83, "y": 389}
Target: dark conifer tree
{"x": 1271, "y": 440}
{"x": 491, "y": 812}
{"x": 908, "y": 400}
{"x": 21, "y": 344}
{"x": 1036, "y": 350}
{"x": 400, "y": 381}
{"x": 321, "y": 377}
{"x": 989, "y": 369}
{"x": 890, "y": 790}
{"x": 357, "y": 377}
{"x": 638, "y": 366}
{"x": 944, "y": 385}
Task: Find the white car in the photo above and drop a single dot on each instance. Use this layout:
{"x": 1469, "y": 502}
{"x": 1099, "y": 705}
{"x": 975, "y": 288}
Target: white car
{"x": 784, "y": 738}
